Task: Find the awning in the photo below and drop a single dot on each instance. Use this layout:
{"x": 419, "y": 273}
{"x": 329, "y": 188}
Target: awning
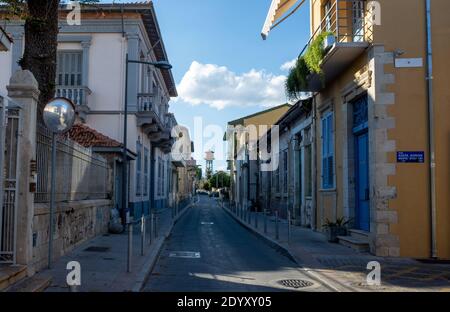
{"x": 278, "y": 12}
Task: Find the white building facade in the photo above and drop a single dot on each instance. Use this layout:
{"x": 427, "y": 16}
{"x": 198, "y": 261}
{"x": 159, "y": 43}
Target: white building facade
{"x": 92, "y": 71}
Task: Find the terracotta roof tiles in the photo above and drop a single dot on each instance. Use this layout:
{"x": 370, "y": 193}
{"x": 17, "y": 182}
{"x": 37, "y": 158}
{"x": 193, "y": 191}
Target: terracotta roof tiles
{"x": 89, "y": 137}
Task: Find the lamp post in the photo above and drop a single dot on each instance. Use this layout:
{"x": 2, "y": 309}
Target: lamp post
{"x": 160, "y": 65}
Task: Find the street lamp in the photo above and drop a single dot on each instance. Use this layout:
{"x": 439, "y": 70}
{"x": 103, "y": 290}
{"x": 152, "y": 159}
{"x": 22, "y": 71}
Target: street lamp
{"x": 164, "y": 65}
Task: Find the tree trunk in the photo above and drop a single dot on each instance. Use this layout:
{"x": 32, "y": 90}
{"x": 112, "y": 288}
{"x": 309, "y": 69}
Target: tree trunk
{"x": 41, "y": 41}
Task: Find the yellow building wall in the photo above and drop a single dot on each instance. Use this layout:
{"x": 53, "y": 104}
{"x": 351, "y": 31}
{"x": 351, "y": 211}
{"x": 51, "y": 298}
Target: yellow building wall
{"x": 403, "y": 29}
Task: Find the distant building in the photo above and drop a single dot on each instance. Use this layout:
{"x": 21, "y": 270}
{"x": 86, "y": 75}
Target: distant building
{"x": 243, "y": 184}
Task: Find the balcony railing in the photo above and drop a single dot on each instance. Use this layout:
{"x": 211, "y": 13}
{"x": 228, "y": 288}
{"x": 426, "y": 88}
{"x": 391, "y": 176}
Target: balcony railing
{"x": 347, "y": 20}
{"x": 352, "y": 33}
{"x": 146, "y": 103}
{"x": 78, "y": 95}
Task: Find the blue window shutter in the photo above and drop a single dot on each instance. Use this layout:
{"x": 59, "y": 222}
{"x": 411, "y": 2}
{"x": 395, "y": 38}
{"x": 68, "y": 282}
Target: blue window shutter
{"x": 330, "y": 151}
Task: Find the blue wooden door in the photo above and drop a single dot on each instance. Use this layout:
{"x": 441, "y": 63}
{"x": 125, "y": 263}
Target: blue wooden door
{"x": 362, "y": 182}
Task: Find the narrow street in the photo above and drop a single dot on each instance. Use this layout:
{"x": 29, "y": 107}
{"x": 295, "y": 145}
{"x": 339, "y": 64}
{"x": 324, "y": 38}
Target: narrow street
{"x": 229, "y": 258}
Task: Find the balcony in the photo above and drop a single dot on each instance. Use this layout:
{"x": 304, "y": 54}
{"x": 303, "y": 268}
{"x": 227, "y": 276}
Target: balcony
{"x": 352, "y": 34}
{"x": 153, "y": 122}
{"x": 78, "y": 95}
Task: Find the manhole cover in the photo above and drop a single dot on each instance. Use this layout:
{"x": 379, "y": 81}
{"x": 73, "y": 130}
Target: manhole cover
{"x": 295, "y": 283}
{"x": 97, "y": 249}
{"x": 185, "y": 254}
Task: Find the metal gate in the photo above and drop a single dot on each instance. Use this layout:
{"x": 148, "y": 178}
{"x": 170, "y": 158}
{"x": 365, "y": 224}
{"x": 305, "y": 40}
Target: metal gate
{"x": 9, "y": 156}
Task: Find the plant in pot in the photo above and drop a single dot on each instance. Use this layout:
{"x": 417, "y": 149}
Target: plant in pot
{"x": 335, "y": 229}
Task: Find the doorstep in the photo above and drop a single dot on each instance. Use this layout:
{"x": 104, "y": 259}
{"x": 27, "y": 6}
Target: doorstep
{"x": 357, "y": 240}
{"x": 11, "y": 274}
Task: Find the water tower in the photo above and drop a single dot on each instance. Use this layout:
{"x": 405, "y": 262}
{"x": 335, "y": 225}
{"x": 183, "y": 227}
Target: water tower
{"x": 209, "y": 157}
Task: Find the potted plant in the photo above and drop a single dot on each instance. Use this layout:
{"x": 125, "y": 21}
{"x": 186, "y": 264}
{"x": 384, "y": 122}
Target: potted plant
{"x": 335, "y": 229}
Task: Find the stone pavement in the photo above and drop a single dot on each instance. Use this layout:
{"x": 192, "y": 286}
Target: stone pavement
{"x": 344, "y": 268}
{"x": 103, "y": 259}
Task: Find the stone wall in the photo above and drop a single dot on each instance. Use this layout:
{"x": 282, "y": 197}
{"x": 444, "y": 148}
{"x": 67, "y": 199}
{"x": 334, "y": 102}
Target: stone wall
{"x": 75, "y": 223}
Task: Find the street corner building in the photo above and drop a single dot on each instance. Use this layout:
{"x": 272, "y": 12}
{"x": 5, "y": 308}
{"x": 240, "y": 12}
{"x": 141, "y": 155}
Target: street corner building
{"x": 372, "y": 146}
{"x": 93, "y": 72}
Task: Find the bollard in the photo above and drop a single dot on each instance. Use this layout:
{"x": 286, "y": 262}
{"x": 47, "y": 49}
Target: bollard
{"x": 156, "y": 226}
{"x": 148, "y": 230}
{"x": 142, "y": 235}
{"x": 249, "y": 216}
{"x": 256, "y": 219}
{"x": 130, "y": 243}
{"x": 277, "y": 234}
{"x": 265, "y": 221}
{"x": 152, "y": 226}
{"x": 289, "y": 226}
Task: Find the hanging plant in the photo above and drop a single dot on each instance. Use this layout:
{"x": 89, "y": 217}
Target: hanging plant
{"x": 296, "y": 80}
{"x": 316, "y": 52}
{"x": 306, "y": 64}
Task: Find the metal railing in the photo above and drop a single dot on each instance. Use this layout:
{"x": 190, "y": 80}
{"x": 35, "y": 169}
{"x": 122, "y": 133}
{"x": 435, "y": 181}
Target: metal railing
{"x": 146, "y": 103}
{"x": 82, "y": 174}
{"x": 78, "y": 95}
{"x": 347, "y": 20}
{"x": 10, "y": 120}
{"x": 245, "y": 216}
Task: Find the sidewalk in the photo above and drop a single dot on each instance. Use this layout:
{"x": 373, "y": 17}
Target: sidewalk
{"x": 103, "y": 259}
{"x": 345, "y": 269}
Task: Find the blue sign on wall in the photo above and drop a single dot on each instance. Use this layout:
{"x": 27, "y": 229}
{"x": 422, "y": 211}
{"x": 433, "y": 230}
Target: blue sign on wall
{"x": 410, "y": 157}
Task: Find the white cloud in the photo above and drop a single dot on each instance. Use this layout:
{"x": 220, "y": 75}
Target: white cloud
{"x": 219, "y": 87}
{"x": 288, "y": 65}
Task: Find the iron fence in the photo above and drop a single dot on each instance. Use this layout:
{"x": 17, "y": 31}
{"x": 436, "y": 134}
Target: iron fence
{"x": 9, "y": 160}
{"x": 81, "y": 174}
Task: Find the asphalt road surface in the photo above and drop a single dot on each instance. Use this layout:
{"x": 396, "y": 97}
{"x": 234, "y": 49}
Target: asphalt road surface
{"x": 209, "y": 251}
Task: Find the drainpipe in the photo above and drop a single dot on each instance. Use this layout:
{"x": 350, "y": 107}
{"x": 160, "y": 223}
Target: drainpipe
{"x": 314, "y": 165}
{"x": 431, "y": 141}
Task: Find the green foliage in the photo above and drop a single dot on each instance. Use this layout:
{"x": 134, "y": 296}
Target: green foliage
{"x": 340, "y": 222}
{"x": 220, "y": 179}
{"x": 306, "y": 64}
{"x": 316, "y": 52}
{"x": 207, "y": 186}
{"x": 296, "y": 80}
{"x": 198, "y": 173}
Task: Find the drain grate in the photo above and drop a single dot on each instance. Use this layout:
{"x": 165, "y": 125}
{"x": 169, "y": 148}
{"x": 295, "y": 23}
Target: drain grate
{"x": 295, "y": 283}
{"x": 185, "y": 254}
{"x": 97, "y": 249}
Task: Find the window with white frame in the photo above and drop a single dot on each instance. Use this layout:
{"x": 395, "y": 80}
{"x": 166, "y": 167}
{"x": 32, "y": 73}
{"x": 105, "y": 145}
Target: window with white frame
{"x": 69, "y": 68}
{"x": 138, "y": 169}
{"x": 327, "y": 151}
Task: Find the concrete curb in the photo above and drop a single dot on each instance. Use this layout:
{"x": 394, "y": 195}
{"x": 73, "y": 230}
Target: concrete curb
{"x": 317, "y": 276}
{"x": 152, "y": 257}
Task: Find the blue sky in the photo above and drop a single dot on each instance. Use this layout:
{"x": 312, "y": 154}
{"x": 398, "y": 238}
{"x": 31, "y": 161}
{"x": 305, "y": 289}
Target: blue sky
{"x": 237, "y": 73}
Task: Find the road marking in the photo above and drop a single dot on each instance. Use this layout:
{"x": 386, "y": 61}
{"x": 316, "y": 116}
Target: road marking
{"x": 207, "y": 223}
{"x": 185, "y": 254}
